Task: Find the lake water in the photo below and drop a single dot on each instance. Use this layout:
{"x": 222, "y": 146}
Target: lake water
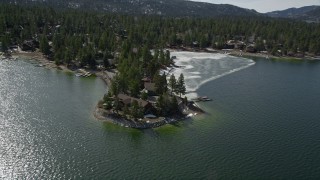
{"x": 264, "y": 123}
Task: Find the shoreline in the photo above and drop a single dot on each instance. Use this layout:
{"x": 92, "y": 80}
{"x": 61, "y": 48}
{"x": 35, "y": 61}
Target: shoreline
{"x": 110, "y": 117}
{"x": 42, "y": 60}
{"x": 187, "y": 111}
{"x": 145, "y": 123}
{"x": 105, "y": 115}
{"x": 244, "y": 54}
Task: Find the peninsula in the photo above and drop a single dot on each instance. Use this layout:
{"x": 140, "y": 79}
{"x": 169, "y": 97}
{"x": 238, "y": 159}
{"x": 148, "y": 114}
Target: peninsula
{"x": 130, "y": 52}
{"x": 157, "y": 102}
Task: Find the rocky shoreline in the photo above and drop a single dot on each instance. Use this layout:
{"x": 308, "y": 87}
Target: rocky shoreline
{"x": 114, "y": 118}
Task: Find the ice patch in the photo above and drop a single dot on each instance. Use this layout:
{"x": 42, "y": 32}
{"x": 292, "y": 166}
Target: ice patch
{"x": 196, "y": 73}
{"x": 200, "y": 68}
{"x": 192, "y": 77}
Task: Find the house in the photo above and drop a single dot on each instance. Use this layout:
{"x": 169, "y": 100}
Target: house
{"x": 27, "y": 45}
{"x": 229, "y": 45}
{"x": 195, "y": 44}
{"x": 234, "y": 44}
{"x": 14, "y": 47}
{"x": 146, "y": 79}
{"x": 124, "y": 99}
{"x": 251, "y": 39}
{"x": 128, "y": 100}
{"x": 240, "y": 45}
{"x": 153, "y": 99}
{"x": 251, "y": 49}
{"x": 150, "y": 88}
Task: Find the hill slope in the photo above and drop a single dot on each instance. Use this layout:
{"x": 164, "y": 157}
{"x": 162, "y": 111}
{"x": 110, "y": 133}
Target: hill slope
{"x": 307, "y": 13}
{"x": 180, "y": 8}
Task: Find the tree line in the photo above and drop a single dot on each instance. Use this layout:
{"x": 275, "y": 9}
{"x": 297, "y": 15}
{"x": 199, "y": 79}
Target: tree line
{"x": 84, "y": 37}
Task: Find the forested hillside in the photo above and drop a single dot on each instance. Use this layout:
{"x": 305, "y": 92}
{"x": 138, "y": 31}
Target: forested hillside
{"x": 307, "y": 13}
{"x": 85, "y": 37}
{"x": 177, "y": 8}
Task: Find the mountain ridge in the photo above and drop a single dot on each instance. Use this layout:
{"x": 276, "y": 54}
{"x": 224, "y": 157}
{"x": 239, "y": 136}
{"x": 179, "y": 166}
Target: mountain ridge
{"x": 171, "y": 8}
{"x": 306, "y": 13}
{"x": 177, "y": 8}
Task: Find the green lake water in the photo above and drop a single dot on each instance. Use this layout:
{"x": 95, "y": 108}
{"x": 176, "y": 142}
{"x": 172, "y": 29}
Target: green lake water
{"x": 263, "y": 123}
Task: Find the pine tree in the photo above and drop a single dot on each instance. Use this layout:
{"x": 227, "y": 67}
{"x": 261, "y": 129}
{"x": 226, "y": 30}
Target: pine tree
{"x": 181, "y": 88}
{"x": 134, "y": 88}
{"x": 172, "y": 83}
{"x": 174, "y": 107}
{"x": 114, "y": 88}
{"x": 44, "y": 45}
{"x": 67, "y": 57}
{"x": 135, "y": 109}
{"x": 160, "y": 83}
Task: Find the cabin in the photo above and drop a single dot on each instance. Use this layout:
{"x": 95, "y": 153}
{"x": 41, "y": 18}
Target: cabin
{"x": 240, "y": 45}
{"x": 234, "y": 44}
{"x": 299, "y": 55}
{"x": 153, "y": 99}
{"x": 195, "y": 44}
{"x": 229, "y": 45}
{"x": 28, "y": 45}
{"x": 290, "y": 53}
{"x": 146, "y": 79}
{"x": 251, "y": 49}
{"x": 150, "y": 88}
{"x": 126, "y": 100}
{"x": 251, "y": 39}
{"x": 13, "y": 48}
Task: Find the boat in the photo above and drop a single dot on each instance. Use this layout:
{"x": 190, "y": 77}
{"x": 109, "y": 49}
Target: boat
{"x": 87, "y": 74}
{"x": 82, "y": 73}
{"x": 202, "y": 98}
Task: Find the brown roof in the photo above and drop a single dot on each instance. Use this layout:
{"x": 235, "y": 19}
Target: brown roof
{"x": 128, "y": 100}
{"x": 146, "y": 79}
{"x": 141, "y": 102}
{"x": 124, "y": 98}
{"x": 149, "y": 86}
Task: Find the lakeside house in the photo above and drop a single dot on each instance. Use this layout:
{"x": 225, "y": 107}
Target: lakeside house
{"x": 251, "y": 48}
{"x": 28, "y": 45}
{"x": 126, "y": 100}
{"x": 146, "y": 79}
{"x": 150, "y": 88}
{"x": 234, "y": 44}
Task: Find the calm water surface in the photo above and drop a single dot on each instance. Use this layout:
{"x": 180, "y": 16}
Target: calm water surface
{"x": 264, "y": 123}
